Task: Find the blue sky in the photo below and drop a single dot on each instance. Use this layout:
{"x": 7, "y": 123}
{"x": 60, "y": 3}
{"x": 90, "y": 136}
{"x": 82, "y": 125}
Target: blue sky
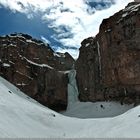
{"x": 19, "y": 22}
{"x": 62, "y": 23}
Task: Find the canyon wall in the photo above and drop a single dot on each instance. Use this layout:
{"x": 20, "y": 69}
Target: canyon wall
{"x": 35, "y": 69}
{"x": 108, "y": 67}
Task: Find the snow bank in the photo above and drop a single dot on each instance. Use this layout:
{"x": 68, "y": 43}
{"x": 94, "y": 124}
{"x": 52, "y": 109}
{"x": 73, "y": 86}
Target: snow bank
{"x": 96, "y": 110}
{"x": 88, "y": 109}
{"x": 22, "y": 117}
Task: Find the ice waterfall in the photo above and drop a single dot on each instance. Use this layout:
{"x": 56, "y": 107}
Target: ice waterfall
{"x": 72, "y": 88}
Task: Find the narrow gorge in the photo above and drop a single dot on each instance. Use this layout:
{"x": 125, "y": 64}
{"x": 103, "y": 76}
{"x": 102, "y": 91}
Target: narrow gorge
{"x": 106, "y": 71}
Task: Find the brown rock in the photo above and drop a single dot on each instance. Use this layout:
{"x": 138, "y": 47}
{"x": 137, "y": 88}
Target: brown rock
{"x": 34, "y": 68}
{"x": 108, "y": 67}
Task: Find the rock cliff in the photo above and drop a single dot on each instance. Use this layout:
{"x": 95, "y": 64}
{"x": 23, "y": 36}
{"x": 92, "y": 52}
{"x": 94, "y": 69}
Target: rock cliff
{"x": 108, "y": 67}
{"x": 35, "y": 69}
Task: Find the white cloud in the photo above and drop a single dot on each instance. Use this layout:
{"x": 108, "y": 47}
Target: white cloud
{"x": 71, "y": 14}
{"x": 45, "y": 40}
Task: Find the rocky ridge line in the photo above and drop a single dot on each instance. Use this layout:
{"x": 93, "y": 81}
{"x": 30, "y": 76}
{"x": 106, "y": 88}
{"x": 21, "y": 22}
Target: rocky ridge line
{"x": 35, "y": 69}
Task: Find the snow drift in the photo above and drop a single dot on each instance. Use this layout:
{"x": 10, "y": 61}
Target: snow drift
{"x": 22, "y": 117}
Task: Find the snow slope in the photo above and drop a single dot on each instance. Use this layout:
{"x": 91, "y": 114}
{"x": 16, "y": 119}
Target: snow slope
{"x": 96, "y": 110}
{"x": 22, "y": 117}
{"x": 89, "y": 109}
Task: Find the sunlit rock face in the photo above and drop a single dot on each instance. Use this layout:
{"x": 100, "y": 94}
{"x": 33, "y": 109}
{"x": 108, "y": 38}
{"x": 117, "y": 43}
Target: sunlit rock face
{"x": 35, "y": 69}
{"x": 108, "y": 65}
{"x": 137, "y": 0}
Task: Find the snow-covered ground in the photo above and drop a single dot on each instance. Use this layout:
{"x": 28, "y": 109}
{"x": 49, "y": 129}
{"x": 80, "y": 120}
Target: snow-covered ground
{"x": 22, "y": 117}
{"x": 88, "y": 109}
{"x": 96, "y": 110}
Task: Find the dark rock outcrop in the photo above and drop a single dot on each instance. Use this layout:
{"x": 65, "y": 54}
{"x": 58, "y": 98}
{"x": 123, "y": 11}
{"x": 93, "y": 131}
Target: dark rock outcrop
{"x": 108, "y": 67}
{"x": 36, "y": 69}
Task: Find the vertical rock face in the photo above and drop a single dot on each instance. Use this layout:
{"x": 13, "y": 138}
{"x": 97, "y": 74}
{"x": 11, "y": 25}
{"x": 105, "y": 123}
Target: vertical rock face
{"x": 35, "y": 69}
{"x": 108, "y": 67}
{"x": 88, "y": 70}
{"x": 137, "y": 0}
